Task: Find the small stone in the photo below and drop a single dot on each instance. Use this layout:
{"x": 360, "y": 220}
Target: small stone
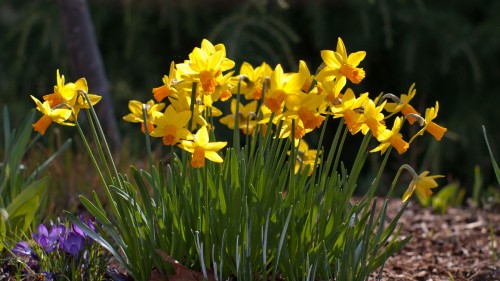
{"x": 422, "y": 274}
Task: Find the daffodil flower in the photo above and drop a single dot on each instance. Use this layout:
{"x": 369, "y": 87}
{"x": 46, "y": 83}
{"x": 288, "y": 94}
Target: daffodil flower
{"x": 183, "y": 103}
{"x": 63, "y": 93}
{"x": 171, "y": 126}
{"x": 434, "y": 129}
{"x": 202, "y": 148}
{"x": 246, "y": 116}
{"x": 305, "y": 157}
{"x": 205, "y": 65}
{"x": 168, "y": 87}
{"x": 282, "y": 85}
{"x": 153, "y": 111}
{"x": 304, "y": 106}
{"x": 58, "y": 115}
{"x": 422, "y": 185}
{"x": 251, "y": 86}
{"x": 68, "y": 93}
{"x": 339, "y": 64}
{"x": 392, "y": 137}
{"x": 348, "y": 109}
{"x": 403, "y": 105}
{"x": 372, "y": 119}
{"x": 64, "y": 104}
{"x": 299, "y": 131}
{"x": 331, "y": 91}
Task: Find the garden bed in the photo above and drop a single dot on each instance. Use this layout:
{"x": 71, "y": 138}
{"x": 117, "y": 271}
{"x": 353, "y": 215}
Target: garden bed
{"x": 454, "y": 246}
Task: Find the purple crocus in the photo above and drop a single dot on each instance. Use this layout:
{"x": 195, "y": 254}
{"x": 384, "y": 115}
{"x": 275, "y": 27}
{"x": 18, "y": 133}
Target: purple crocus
{"x": 58, "y": 232}
{"x": 47, "y": 242}
{"x": 48, "y": 276}
{"x": 22, "y": 249}
{"x": 73, "y": 244}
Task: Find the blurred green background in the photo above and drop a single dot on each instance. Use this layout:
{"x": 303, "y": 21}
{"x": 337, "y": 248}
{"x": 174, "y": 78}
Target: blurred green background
{"x": 450, "y": 49}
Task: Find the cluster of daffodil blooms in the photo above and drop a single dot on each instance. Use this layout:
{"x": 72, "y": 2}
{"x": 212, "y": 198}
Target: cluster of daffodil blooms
{"x": 294, "y": 104}
{"x": 62, "y": 106}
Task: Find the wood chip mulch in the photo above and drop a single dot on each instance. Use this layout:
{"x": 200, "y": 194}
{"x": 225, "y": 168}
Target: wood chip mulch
{"x": 462, "y": 244}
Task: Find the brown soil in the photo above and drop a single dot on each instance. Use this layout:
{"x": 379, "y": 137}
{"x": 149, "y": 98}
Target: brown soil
{"x": 463, "y": 244}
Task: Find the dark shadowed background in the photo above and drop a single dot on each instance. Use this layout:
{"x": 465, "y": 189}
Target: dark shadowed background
{"x": 450, "y": 49}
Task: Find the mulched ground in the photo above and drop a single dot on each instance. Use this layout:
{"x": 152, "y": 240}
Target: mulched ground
{"x": 455, "y": 246}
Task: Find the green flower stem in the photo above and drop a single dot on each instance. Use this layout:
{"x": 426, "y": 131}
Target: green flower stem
{"x": 291, "y": 187}
{"x": 118, "y": 208}
{"x": 257, "y": 133}
{"x": 395, "y": 180}
{"x": 103, "y": 137}
{"x": 379, "y": 174}
{"x": 171, "y": 155}
{"x": 247, "y": 137}
{"x": 319, "y": 150}
{"x": 334, "y": 147}
{"x": 91, "y": 155}
{"x": 207, "y": 214}
{"x": 191, "y": 106}
{"x": 146, "y": 136}
{"x": 190, "y": 128}
{"x": 359, "y": 162}
{"x": 100, "y": 152}
{"x": 96, "y": 166}
{"x": 236, "y": 131}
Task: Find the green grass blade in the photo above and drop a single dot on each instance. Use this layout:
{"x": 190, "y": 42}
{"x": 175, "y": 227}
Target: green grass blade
{"x": 95, "y": 211}
{"x": 493, "y": 161}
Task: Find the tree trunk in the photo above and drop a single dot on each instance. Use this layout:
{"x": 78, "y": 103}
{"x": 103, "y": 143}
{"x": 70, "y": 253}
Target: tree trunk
{"x": 86, "y": 61}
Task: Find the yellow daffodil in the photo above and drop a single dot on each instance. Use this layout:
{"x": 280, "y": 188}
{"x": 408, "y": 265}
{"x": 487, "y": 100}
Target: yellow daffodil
{"x": 299, "y": 131}
{"x": 246, "y": 116}
{"x": 429, "y": 126}
{"x": 392, "y": 137}
{"x": 205, "y": 65}
{"x": 183, "y": 103}
{"x": 153, "y": 111}
{"x": 251, "y": 85}
{"x": 304, "y": 72}
{"x": 202, "y": 148}
{"x": 339, "y": 64}
{"x": 422, "y": 186}
{"x": 305, "y": 157}
{"x": 67, "y": 93}
{"x": 304, "y": 106}
{"x": 223, "y": 89}
{"x": 402, "y": 104}
{"x": 65, "y": 97}
{"x": 348, "y": 109}
{"x": 372, "y": 119}
{"x": 81, "y": 102}
{"x": 331, "y": 91}
{"x": 168, "y": 87}
{"x": 63, "y": 93}
{"x": 281, "y": 85}
{"x": 58, "y": 115}
{"x": 171, "y": 126}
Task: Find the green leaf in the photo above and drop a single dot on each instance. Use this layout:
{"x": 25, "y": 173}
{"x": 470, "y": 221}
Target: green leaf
{"x": 95, "y": 211}
{"x": 3, "y": 228}
{"x": 36, "y": 188}
{"x": 20, "y": 220}
{"x": 22, "y": 209}
{"x": 222, "y": 200}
